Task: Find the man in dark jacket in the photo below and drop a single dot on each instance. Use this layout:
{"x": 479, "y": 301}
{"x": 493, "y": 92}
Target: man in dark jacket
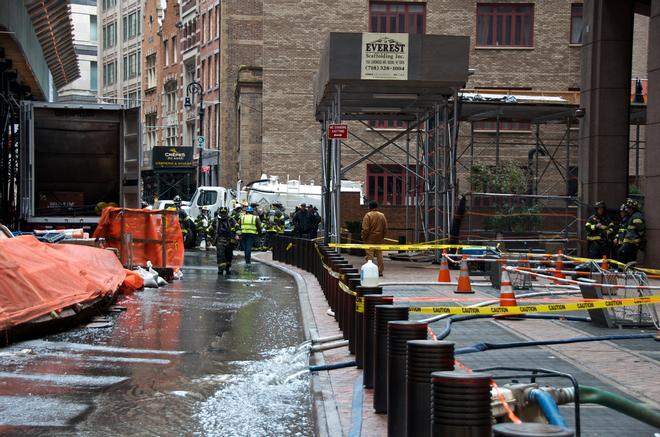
{"x": 224, "y": 239}
{"x": 600, "y": 229}
{"x": 635, "y": 236}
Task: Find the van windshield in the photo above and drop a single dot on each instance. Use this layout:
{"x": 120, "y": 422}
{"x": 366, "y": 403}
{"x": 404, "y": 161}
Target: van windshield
{"x": 207, "y": 198}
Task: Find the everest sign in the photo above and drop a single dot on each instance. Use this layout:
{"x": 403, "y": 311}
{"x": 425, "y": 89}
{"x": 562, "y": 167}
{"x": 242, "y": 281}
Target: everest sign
{"x": 338, "y": 132}
{"x": 385, "y": 56}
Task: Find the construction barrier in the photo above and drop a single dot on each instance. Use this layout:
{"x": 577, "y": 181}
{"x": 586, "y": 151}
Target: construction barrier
{"x": 142, "y": 235}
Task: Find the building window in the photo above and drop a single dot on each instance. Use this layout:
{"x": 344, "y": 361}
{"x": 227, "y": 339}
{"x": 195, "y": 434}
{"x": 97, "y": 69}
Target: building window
{"x": 203, "y": 28}
{"x": 131, "y": 99}
{"x": 577, "y": 24}
{"x": 109, "y": 4}
{"x": 132, "y": 25}
{"x": 201, "y": 72}
{"x": 505, "y": 25}
{"x": 505, "y": 126}
{"x": 132, "y": 65}
{"x": 150, "y": 131}
{"x": 174, "y": 55}
{"x": 110, "y": 73}
{"x": 397, "y": 17}
{"x": 93, "y": 75}
{"x": 170, "y": 137}
{"x": 170, "y": 97}
{"x": 92, "y": 28}
{"x": 167, "y": 53}
{"x": 386, "y": 184}
{"x": 110, "y": 35}
{"x": 151, "y": 71}
{"x": 217, "y": 21}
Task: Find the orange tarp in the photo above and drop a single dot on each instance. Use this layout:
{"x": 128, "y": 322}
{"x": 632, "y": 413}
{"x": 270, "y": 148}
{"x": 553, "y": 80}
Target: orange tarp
{"x": 155, "y": 235}
{"x": 37, "y": 278}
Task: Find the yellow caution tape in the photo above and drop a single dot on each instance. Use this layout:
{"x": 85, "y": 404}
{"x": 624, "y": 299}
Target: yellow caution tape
{"x": 359, "y": 304}
{"x": 415, "y": 247}
{"x": 346, "y": 289}
{"x": 615, "y": 262}
{"x": 544, "y": 308}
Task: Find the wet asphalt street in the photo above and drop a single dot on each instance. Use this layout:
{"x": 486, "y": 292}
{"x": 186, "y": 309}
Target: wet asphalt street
{"x": 206, "y": 355}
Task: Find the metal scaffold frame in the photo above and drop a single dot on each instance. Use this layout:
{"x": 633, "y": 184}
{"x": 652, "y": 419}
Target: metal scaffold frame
{"x": 429, "y": 162}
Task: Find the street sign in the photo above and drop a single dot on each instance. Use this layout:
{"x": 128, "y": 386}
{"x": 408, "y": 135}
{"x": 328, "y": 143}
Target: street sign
{"x": 338, "y": 132}
{"x": 200, "y": 141}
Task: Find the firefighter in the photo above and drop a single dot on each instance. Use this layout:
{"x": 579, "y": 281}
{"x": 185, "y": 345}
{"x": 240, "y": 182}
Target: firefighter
{"x": 203, "y": 227}
{"x": 177, "y": 202}
{"x": 280, "y": 218}
{"x": 274, "y": 224}
{"x": 249, "y": 228}
{"x": 187, "y": 230}
{"x": 620, "y": 231}
{"x": 600, "y": 229}
{"x": 634, "y": 238}
{"x": 224, "y": 231}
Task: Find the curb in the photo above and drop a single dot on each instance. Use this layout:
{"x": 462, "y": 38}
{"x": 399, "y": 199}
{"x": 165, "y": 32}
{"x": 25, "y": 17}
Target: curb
{"x": 326, "y": 415}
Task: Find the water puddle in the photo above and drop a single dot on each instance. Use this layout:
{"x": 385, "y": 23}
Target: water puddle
{"x": 271, "y": 397}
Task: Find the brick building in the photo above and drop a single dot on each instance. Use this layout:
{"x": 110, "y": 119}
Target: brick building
{"x": 162, "y": 103}
{"x": 276, "y": 45}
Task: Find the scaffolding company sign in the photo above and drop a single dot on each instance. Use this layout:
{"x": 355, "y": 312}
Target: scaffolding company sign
{"x": 338, "y": 132}
{"x": 385, "y": 56}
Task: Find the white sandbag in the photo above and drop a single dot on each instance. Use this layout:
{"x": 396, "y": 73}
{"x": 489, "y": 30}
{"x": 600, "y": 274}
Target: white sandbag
{"x": 149, "y": 280}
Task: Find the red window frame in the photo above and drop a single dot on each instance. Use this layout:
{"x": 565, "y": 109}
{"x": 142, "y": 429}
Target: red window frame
{"x": 505, "y": 125}
{"x": 576, "y": 12}
{"x": 389, "y": 185}
{"x": 507, "y": 24}
{"x": 388, "y": 17}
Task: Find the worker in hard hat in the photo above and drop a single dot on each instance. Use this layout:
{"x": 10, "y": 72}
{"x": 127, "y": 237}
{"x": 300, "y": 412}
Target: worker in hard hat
{"x": 249, "y": 227}
{"x": 177, "y": 202}
{"x": 635, "y": 236}
{"x": 203, "y": 228}
{"x": 224, "y": 231}
{"x": 620, "y": 231}
{"x": 600, "y": 231}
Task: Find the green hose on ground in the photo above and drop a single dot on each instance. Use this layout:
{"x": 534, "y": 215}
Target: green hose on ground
{"x": 593, "y": 395}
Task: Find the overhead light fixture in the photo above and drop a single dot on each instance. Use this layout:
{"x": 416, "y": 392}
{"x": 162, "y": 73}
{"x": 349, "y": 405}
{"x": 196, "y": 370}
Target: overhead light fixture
{"x": 387, "y": 96}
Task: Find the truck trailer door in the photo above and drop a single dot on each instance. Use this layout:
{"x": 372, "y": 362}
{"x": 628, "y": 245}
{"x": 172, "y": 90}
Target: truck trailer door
{"x": 130, "y": 159}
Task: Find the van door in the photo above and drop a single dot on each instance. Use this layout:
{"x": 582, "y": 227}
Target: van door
{"x": 131, "y": 154}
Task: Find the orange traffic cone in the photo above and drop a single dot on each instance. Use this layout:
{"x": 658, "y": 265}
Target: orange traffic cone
{"x": 464, "y": 285}
{"x": 559, "y": 266}
{"x": 605, "y": 265}
{"x": 507, "y": 296}
{"x": 443, "y": 274}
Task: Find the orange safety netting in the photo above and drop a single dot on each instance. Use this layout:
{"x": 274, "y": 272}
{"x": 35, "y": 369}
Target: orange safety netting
{"x": 142, "y": 235}
{"x": 37, "y": 278}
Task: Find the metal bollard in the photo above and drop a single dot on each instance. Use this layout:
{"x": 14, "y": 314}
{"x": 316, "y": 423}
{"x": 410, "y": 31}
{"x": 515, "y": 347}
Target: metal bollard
{"x": 460, "y": 404}
{"x": 384, "y": 315}
{"x": 530, "y": 429}
{"x": 358, "y": 331}
{"x": 353, "y": 280}
{"x": 424, "y": 358}
{"x": 398, "y": 334}
{"x": 345, "y": 299}
{"x": 370, "y": 302}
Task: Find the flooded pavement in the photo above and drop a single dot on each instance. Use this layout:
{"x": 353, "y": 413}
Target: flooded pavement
{"x": 206, "y": 355}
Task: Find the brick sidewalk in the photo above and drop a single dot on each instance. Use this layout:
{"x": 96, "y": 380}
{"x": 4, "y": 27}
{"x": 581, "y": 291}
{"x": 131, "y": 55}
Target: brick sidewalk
{"x": 623, "y": 367}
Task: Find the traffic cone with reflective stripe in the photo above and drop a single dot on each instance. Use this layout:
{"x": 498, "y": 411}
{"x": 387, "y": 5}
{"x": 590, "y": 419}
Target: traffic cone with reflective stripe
{"x": 507, "y": 296}
{"x": 605, "y": 265}
{"x": 464, "y": 285}
{"x": 443, "y": 274}
{"x": 559, "y": 266}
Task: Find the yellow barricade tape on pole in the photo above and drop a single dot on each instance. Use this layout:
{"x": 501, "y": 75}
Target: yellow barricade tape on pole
{"x": 615, "y": 262}
{"x": 346, "y": 289}
{"x": 359, "y": 304}
{"x": 544, "y": 308}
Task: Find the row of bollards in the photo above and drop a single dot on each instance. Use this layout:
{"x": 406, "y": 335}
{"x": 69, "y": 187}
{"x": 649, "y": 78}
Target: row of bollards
{"x": 413, "y": 378}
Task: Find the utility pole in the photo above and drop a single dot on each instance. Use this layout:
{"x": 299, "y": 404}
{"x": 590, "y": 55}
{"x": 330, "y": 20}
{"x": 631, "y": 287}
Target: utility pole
{"x": 192, "y": 89}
